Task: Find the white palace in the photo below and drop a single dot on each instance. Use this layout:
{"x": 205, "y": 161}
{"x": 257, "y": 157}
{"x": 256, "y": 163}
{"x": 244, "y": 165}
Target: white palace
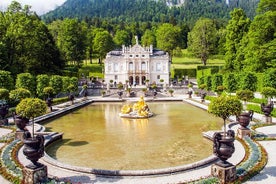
{"x": 137, "y": 64}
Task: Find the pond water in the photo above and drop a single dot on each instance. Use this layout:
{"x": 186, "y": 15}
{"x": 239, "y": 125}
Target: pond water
{"x": 95, "y": 136}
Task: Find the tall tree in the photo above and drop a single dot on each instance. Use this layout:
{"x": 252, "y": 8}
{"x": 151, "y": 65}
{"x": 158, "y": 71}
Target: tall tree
{"x": 202, "y": 39}
{"x": 103, "y": 43}
{"x": 266, "y": 5}
{"x": 122, "y": 38}
{"x": 236, "y": 29}
{"x": 148, "y": 38}
{"x": 167, "y": 37}
{"x": 71, "y": 40}
{"x": 261, "y": 49}
{"x": 28, "y": 45}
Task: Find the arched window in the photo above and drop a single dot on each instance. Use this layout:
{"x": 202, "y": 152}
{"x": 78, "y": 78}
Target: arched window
{"x": 143, "y": 66}
{"x": 130, "y": 66}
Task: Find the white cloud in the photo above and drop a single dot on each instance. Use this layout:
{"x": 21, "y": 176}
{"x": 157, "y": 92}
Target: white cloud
{"x": 39, "y": 6}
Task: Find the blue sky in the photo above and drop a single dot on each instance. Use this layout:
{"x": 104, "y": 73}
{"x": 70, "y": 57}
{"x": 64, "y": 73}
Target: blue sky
{"x": 39, "y": 6}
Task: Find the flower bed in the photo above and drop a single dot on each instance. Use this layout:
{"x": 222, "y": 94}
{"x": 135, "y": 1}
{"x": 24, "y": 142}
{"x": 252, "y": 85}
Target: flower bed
{"x": 10, "y": 168}
{"x": 254, "y": 162}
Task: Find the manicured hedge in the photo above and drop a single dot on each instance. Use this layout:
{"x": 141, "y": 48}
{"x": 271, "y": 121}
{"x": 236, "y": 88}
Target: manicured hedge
{"x": 179, "y": 73}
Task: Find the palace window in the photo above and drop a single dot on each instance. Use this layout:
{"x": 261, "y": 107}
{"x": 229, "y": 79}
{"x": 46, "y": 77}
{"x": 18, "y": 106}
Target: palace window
{"x": 116, "y": 67}
{"x": 130, "y": 66}
{"x": 158, "y": 67}
{"x": 143, "y": 66}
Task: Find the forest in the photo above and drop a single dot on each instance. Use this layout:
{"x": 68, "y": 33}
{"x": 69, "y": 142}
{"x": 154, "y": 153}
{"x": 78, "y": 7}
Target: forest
{"x": 28, "y": 44}
{"x": 117, "y": 11}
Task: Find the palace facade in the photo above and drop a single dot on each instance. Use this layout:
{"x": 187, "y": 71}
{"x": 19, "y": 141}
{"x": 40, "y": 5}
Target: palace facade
{"x": 136, "y": 64}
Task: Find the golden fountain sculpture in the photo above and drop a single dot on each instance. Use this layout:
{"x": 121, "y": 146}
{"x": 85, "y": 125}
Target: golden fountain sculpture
{"x": 138, "y": 110}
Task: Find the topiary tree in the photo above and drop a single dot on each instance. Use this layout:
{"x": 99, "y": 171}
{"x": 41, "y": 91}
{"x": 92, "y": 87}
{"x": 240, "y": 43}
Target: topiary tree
{"x": 225, "y": 106}
{"x": 48, "y": 91}
{"x": 74, "y": 81}
{"x": 56, "y": 83}
{"x": 42, "y": 81}
{"x": 6, "y": 80}
{"x": 31, "y": 108}
{"x": 171, "y": 92}
{"x": 26, "y": 81}
{"x": 269, "y": 92}
{"x": 220, "y": 90}
{"x": 4, "y": 94}
{"x": 19, "y": 94}
{"x": 65, "y": 83}
{"x": 245, "y": 95}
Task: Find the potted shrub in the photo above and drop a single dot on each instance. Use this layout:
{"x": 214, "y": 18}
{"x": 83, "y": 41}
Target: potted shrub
{"x": 18, "y": 94}
{"x": 268, "y": 92}
{"x": 220, "y": 89}
{"x": 48, "y": 92}
{"x": 71, "y": 89}
{"x": 84, "y": 88}
{"x": 245, "y": 95}
{"x": 244, "y": 117}
{"x": 145, "y": 91}
{"x": 171, "y": 92}
{"x": 34, "y": 146}
{"x": 224, "y": 106}
{"x": 103, "y": 93}
{"x": 111, "y": 83}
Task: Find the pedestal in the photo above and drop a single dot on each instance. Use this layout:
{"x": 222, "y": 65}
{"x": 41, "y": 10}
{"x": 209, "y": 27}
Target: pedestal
{"x": 33, "y": 176}
{"x": 19, "y": 134}
{"x": 224, "y": 174}
{"x": 242, "y": 132}
{"x": 267, "y": 119}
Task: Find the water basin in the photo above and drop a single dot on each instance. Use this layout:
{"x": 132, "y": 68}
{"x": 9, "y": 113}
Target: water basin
{"x": 97, "y": 137}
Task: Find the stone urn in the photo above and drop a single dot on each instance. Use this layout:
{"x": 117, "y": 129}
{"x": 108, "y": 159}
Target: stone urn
{"x": 71, "y": 98}
{"x": 267, "y": 109}
{"x": 190, "y": 92}
{"x": 244, "y": 119}
{"x": 4, "y": 110}
{"x": 120, "y": 93}
{"x": 33, "y": 149}
{"x": 154, "y": 93}
{"x": 49, "y": 102}
{"x": 21, "y": 122}
{"x": 223, "y": 147}
{"x": 203, "y": 95}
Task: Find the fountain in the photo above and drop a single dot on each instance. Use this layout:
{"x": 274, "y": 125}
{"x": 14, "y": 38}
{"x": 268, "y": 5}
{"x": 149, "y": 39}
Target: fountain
{"x": 138, "y": 110}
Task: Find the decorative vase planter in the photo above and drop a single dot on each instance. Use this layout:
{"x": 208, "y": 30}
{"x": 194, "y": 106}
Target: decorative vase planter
{"x": 34, "y": 150}
{"x": 21, "y": 122}
{"x": 244, "y": 119}
{"x": 224, "y": 147}
{"x": 267, "y": 109}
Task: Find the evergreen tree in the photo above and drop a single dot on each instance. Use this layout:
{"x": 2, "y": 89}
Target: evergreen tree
{"x": 236, "y": 29}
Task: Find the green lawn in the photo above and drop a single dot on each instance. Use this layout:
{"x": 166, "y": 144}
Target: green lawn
{"x": 187, "y": 61}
